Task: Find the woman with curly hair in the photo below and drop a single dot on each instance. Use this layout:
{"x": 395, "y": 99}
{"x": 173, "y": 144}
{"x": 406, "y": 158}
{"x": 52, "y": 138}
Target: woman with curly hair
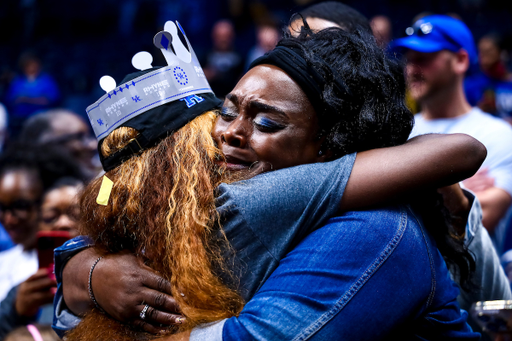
{"x": 350, "y": 102}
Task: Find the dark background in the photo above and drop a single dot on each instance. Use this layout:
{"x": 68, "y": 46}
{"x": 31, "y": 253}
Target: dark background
{"x": 79, "y": 41}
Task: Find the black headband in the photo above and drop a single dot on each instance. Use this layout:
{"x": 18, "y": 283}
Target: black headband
{"x": 289, "y": 58}
{"x": 158, "y": 123}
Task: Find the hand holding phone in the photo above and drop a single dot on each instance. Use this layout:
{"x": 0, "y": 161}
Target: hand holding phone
{"x": 38, "y": 290}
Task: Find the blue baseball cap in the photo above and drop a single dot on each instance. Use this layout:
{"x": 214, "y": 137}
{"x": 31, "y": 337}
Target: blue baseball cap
{"x": 434, "y": 33}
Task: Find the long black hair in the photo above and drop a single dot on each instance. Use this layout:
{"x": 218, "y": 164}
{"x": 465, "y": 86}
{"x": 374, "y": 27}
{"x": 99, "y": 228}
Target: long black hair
{"x": 370, "y": 112}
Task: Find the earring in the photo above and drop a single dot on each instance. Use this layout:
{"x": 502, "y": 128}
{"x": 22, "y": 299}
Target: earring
{"x": 320, "y": 153}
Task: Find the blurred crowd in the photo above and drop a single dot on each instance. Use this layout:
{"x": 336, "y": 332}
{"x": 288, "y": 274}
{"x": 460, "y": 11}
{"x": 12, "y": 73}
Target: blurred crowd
{"x": 49, "y": 72}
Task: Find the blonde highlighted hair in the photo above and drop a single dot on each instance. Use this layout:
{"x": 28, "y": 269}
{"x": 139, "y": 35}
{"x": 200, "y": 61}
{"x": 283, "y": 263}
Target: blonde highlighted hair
{"x": 162, "y": 208}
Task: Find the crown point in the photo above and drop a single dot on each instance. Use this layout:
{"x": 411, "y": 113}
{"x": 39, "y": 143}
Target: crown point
{"x": 107, "y": 83}
{"x": 170, "y": 26}
{"x": 182, "y": 52}
{"x": 142, "y": 61}
{"x": 162, "y": 40}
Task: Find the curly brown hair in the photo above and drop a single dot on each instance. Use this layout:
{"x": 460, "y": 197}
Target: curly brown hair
{"x": 162, "y": 208}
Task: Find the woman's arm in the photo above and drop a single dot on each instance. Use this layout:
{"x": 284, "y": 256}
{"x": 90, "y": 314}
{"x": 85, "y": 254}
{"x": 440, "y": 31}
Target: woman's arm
{"x": 120, "y": 283}
{"x": 378, "y": 176}
{"x": 427, "y": 161}
{"x": 76, "y": 275}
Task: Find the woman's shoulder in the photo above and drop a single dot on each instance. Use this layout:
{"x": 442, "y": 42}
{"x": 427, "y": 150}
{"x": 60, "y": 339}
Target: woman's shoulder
{"x": 296, "y": 177}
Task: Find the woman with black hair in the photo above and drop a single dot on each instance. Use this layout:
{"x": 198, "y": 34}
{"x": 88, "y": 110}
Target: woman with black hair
{"x": 355, "y": 278}
{"x": 321, "y": 116}
{"x": 489, "y": 279}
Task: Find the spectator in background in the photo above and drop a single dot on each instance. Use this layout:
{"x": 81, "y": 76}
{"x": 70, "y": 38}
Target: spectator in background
{"x": 30, "y": 92}
{"x": 59, "y": 212}
{"x": 331, "y": 13}
{"x": 492, "y": 57}
{"x": 267, "y": 37}
{"x": 26, "y": 172}
{"x": 65, "y": 129}
{"x": 382, "y": 30}
{"x": 438, "y": 53}
{"x": 491, "y": 88}
{"x": 59, "y": 208}
{"x": 223, "y": 65}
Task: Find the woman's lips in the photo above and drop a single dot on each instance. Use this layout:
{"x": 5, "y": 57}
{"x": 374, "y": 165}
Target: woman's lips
{"x": 233, "y": 164}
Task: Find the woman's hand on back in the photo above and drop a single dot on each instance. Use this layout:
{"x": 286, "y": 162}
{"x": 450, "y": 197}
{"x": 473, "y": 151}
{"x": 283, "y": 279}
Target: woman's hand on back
{"x": 458, "y": 205}
{"x": 122, "y": 285}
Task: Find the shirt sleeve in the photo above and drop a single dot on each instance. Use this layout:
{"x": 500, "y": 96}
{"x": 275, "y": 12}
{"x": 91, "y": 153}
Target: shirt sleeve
{"x": 266, "y": 216}
{"x": 288, "y": 203}
{"x": 208, "y": 331}
{"x": 63, "y": 318}
{"x": 489, "y": 276}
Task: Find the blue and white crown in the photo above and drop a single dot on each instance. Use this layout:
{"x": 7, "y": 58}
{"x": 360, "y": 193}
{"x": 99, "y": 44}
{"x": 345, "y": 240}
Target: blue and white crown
{"x": 181, "y": 78}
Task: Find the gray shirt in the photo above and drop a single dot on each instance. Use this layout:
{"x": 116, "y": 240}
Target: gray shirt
{"x": 266, "y": 216}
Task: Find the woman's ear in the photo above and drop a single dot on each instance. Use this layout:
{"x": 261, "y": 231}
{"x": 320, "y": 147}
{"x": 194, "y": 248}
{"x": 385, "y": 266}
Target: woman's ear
{"x": 324, "y": 155}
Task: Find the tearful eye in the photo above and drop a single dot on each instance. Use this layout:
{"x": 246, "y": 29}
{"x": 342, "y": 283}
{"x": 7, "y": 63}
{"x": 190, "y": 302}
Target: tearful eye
{"x": 266, "y": 125}
{"x": 227, "y": 115}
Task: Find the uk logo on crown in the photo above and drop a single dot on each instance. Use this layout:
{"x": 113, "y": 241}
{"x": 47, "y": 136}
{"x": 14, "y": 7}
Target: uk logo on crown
{"x": 182, "y": 78}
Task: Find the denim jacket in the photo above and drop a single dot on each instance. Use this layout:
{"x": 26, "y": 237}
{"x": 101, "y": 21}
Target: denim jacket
{"x": 369, "y": 275}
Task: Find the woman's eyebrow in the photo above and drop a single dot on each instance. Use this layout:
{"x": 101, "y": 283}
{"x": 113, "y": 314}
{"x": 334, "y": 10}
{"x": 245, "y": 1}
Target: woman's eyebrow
{"x": 232, "y": 97}
{"x": 267, "y": 108}
{"x": 258, "y": 105}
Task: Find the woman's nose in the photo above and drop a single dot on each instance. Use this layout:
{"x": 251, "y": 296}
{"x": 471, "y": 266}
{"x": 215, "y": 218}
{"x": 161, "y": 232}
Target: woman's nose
{"x": 236, "y": 134}
{"x": 64, "y": 223}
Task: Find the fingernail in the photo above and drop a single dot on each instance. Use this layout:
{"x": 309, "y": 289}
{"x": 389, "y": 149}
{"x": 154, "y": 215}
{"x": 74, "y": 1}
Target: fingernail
{"x": 54, "y": 290}
{"x": 180, "y": 320}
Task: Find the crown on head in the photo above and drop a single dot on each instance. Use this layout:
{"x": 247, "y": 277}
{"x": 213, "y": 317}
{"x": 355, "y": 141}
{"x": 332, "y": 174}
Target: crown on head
{"x": 182, "y": 78}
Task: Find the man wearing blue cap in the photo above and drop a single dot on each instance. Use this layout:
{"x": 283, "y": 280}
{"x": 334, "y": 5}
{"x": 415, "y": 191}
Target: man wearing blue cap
{"x": 439, "y": 51}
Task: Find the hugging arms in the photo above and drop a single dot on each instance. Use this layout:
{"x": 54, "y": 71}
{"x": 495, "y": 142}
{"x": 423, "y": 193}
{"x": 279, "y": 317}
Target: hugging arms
{"x": 121, "y": 282}
{"x": 262, "y": 128}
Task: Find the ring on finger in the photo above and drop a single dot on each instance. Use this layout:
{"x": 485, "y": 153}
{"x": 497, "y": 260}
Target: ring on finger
{"x": 144, "y": 311}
